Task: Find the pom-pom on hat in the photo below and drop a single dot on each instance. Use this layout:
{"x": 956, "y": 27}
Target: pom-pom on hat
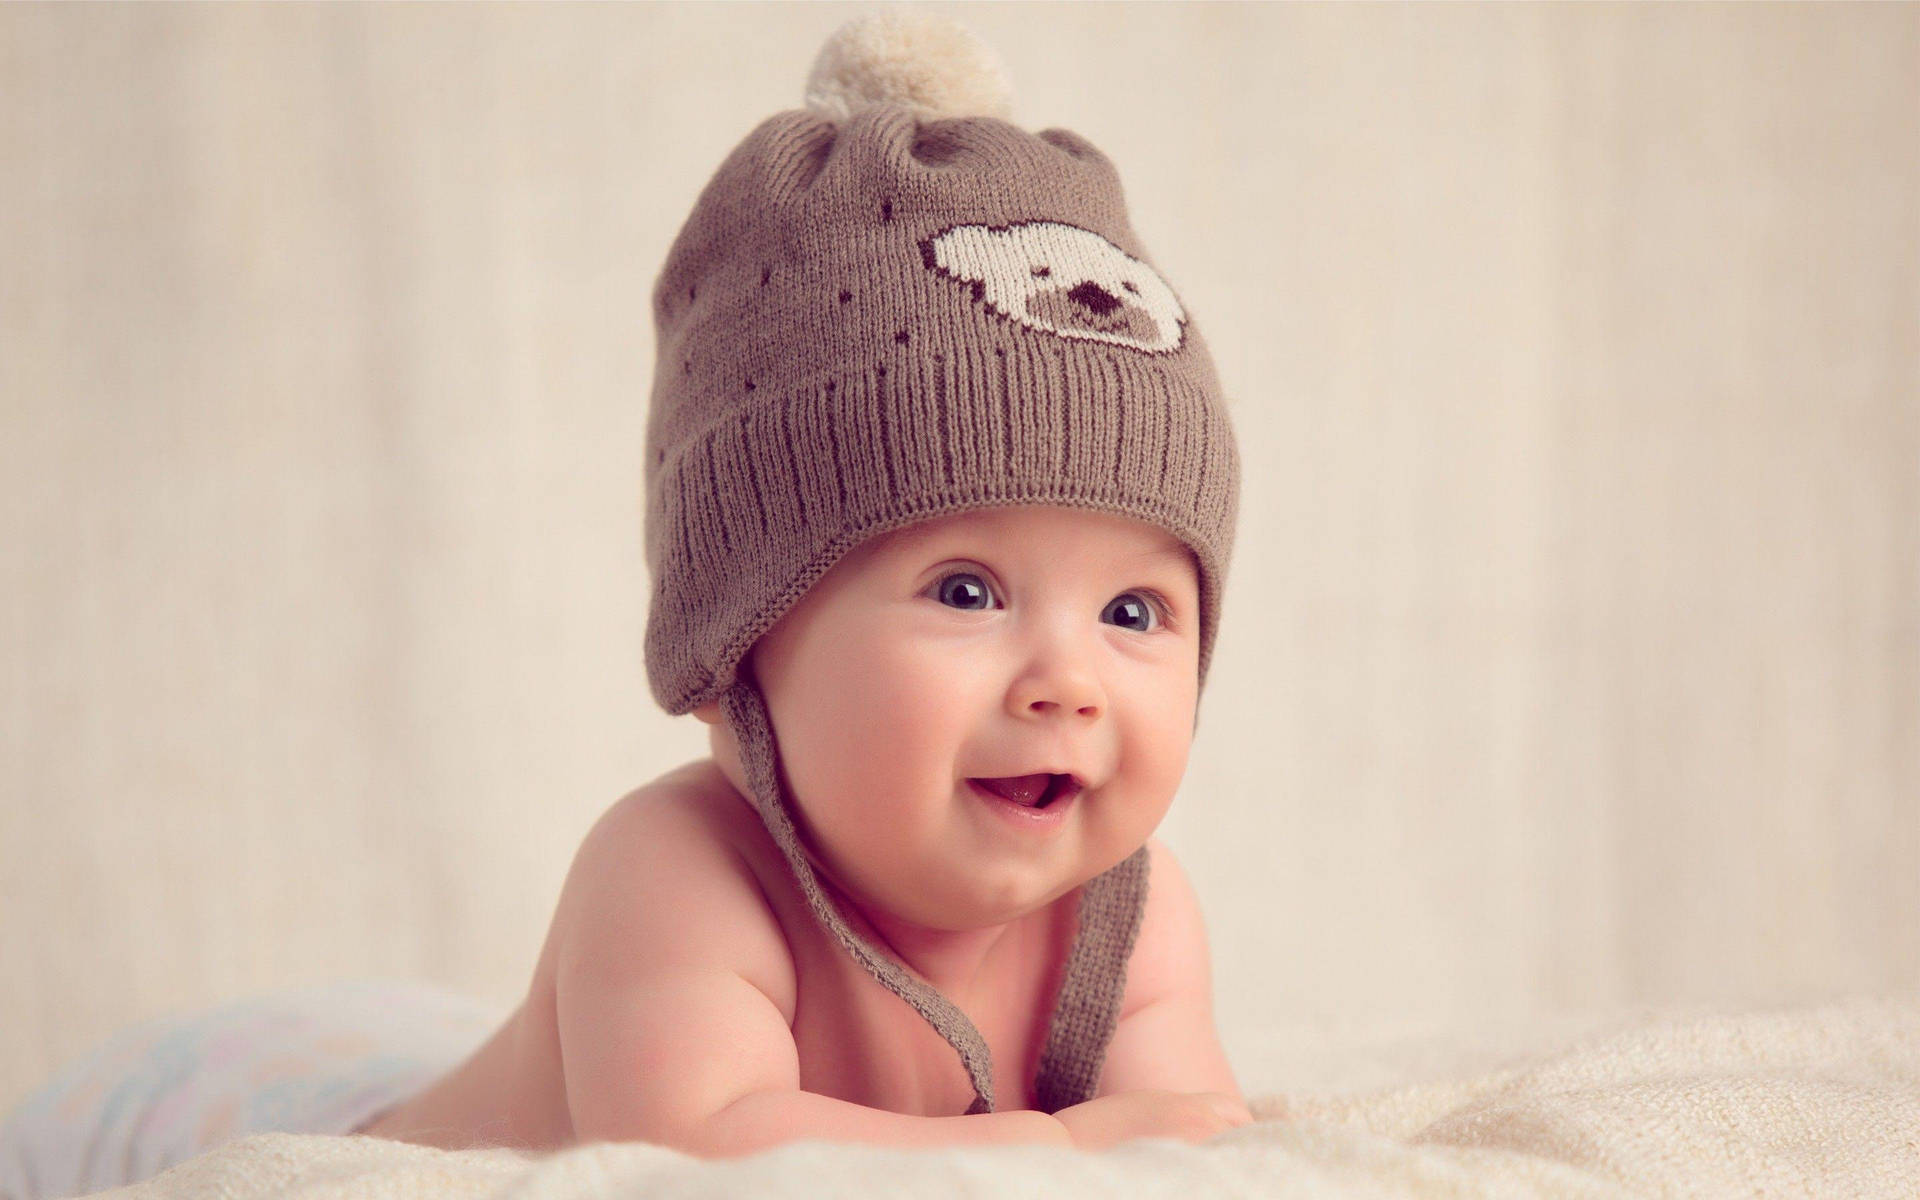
{"x": 886, "y": 306}
{"x": 935, "y": 67}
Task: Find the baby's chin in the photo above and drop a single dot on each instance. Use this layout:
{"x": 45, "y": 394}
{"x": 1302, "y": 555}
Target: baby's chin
{"x": 955, "y": 903}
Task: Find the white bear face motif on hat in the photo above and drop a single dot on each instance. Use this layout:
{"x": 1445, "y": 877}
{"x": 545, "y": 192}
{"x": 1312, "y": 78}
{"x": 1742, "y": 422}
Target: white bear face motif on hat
{"x": 1063, "y": 280}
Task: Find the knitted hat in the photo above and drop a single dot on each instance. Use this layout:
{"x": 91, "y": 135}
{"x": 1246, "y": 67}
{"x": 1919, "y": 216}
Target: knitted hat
{"x": 887, "y": 306}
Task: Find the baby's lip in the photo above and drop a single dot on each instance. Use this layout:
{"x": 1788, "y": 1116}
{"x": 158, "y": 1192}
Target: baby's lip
{"x": 1031, "y": 788}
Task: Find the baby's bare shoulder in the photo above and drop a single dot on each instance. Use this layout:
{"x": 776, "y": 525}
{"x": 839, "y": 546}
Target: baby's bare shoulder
{"x": 660, "y": 884}
{"x": 665, "y": 969}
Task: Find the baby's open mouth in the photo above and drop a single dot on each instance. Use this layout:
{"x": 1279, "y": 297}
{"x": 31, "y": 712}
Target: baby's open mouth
{"x": 1031, "y": 791}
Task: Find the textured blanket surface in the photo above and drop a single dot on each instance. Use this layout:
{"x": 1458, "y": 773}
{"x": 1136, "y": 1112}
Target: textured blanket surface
{"x": 1811, "y": 1101}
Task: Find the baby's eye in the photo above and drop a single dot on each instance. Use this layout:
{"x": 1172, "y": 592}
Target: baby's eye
{"x": 1134, "y": 605}
{"x": 965, "y": 592}
{"x": 968, "y": 591}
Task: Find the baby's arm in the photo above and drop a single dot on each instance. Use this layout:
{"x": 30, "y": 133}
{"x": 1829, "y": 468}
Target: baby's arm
{"x": 1165, "y": 1038}
{"x": 664, "y": 1036}
{"x": 704, "y": 1062}
{"x": 769, "y": 1118}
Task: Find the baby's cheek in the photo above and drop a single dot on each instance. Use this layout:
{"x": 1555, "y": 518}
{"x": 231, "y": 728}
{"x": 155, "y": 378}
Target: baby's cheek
{"x": 1155, "y": 762}
{"x": 1159, "y": 727}
{"x": 923, "y": 710}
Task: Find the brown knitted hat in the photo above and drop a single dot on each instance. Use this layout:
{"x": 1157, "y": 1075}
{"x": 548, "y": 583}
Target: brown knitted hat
{"x": 891, "y": 305}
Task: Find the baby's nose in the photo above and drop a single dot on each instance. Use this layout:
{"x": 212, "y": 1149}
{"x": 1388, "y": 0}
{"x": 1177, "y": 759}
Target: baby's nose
{"x": 1064, "y": 693}
{"x": 1087, "y": 710}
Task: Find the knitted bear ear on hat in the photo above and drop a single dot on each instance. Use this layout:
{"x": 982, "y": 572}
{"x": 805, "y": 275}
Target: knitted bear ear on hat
{"x": 932, "y": 64}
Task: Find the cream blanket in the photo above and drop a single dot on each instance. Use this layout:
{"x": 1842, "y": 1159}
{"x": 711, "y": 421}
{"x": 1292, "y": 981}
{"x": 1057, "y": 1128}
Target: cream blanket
{"x": 1810, "y": 1101}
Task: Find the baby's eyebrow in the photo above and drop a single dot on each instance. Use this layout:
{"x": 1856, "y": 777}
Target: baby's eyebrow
{"x": 1177, "y": 552}
{"x": 1173, "y": 556}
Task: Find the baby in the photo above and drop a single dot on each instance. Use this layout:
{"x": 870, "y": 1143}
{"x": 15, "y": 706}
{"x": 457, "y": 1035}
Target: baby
{"x": 940, "y": 496}
{"x": 925, "y": 690}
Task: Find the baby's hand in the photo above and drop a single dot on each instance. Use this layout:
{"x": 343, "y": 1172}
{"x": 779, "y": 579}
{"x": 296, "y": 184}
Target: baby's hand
{"x": 1187, "y": 1116}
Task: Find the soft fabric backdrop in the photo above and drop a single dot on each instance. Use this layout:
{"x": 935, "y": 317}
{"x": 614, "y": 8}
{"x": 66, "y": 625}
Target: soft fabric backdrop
{"x": 1571, "y": 655}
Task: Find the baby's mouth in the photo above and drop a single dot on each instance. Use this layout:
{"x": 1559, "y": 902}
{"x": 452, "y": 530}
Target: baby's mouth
{"x": 1031, "y": 791}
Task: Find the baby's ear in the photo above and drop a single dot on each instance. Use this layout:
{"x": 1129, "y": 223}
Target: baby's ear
{"x": 709, "y": 712}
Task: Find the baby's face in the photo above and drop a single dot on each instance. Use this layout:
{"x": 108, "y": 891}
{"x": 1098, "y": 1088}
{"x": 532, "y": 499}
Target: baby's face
{"x": 991, "y": 643}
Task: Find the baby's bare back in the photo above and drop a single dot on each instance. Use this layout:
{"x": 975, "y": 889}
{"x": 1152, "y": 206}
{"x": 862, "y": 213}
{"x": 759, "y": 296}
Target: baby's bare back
{"x": 681, "y": 940}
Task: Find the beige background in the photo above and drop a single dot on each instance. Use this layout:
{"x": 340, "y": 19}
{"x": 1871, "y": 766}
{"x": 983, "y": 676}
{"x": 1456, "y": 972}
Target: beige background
{"x": 1571, "y": 655}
